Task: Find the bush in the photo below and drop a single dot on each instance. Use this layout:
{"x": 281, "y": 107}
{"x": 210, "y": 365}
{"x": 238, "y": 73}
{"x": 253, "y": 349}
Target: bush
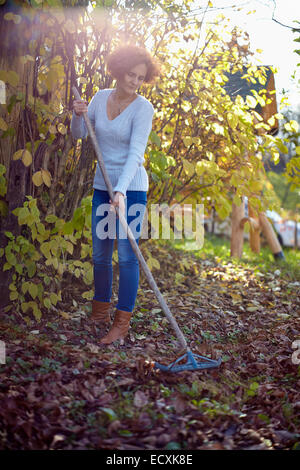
{"x": 44, "y": 254}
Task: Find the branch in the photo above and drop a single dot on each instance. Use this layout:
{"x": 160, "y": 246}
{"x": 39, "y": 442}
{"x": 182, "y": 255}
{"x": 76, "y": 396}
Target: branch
{"x": 278, "y": 22}
{"x": 194, "y": 191}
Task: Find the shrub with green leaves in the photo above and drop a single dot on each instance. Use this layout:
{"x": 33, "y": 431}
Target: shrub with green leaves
{"x": 45, "y": 253}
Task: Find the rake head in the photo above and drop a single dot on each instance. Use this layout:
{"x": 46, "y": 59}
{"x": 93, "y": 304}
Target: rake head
{"x": 193, "y": 362}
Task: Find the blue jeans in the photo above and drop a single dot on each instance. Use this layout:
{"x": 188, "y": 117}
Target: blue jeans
{"x": 105, "y": 229}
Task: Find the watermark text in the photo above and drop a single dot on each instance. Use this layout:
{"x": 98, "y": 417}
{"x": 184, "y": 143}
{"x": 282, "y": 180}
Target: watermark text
{"x": 165, "y": 222}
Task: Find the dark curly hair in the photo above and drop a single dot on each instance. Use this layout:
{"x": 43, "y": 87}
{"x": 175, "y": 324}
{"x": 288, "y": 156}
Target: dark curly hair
{"x": 122, "y": 60}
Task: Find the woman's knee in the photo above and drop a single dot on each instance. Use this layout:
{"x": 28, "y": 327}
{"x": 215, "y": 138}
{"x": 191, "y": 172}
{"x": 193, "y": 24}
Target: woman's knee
{"x": 102, "y": 255}
{"x": 126, "y": 255}
{"x": 101, "y": 262}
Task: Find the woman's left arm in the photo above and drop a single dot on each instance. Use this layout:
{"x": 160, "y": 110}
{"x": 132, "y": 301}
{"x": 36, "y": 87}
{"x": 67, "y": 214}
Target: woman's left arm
{"x": 141, "y": 128}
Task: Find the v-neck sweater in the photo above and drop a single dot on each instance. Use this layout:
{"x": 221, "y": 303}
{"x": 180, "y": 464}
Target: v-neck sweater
{"x": 122, "y": 141}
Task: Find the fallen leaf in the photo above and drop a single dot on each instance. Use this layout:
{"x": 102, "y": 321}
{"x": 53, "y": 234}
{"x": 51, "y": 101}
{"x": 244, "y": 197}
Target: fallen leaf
{"x": 140, "y": 399}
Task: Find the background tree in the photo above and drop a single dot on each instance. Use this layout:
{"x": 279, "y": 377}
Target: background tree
{"x": 293, "y": 134}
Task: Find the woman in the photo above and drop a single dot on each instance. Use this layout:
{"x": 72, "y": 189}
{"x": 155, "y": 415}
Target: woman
{"x": 122, "y": 120}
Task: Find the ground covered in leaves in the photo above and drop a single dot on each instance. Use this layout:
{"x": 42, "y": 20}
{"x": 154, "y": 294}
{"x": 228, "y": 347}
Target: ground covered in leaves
{"x": 60, "y": 390}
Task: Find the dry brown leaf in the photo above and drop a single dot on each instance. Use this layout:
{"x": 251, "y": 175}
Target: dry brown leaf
{"x": 140, "y": 399}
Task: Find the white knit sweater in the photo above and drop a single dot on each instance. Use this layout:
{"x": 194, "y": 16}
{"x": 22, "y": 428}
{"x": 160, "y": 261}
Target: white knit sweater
{"x": 122, "y": 141}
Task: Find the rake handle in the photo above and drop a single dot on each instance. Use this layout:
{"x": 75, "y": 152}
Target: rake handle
{"x": 127, "y": 229}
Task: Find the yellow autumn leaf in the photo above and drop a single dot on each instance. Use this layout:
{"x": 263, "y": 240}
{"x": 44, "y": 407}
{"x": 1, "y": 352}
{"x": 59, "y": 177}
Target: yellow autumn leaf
{"x": 26, "y": 58}
{"x": 292, "y": 126}
{"x": 62, "y": 129}
{"x": 8, "y": 16}
{"x": 33, "y": 290}
{"x": 200, "y": 168}
{"x": 271, "y": 121}
{"x": 3, "y": 77}
{"x": 42, "y": 89}
{"x": 179, "y": 278}
{"x": 237, "y": 200}
{"x": 51, "y": 80}
{"x": 236, "y": 298}
{"x": 188, "y": 167}
{"x": 232, "y": 119}
{"x": 12, "y": 78}
{"x": 65, "y": 315}
{"x": 46, "y": 176}
{"x": 17, "y": 19}
{"x": 3, "y": 125}
{"x": 251, "y": 101}
{"x": 196, "y": 140}
{"x": 18, "y": 154}
{"x": 217, "y": 128}
{"x": 258, "y": 116}
{"x": 48, "y": 42}
{"x": 52, "y": 129}
{"x": 155, "y": 263}
{"x": 187, "y": 141}
{"x": 26, "y": 158}
{"x": 37, "y": 178}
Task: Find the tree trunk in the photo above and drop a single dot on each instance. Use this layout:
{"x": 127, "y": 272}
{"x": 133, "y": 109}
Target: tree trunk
{"x": 13, "y": 48}
{"x": 237, "y": 230}
{"x": 254, "y": 231}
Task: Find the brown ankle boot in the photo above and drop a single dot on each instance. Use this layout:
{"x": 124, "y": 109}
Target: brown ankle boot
{"x": 100, "y": 312}
{"x": 119, "y": 327}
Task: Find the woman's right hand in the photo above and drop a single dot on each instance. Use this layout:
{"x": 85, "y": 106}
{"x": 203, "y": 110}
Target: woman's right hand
{"x": 80, "y": 107}
{"x": 119, "y": 202}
